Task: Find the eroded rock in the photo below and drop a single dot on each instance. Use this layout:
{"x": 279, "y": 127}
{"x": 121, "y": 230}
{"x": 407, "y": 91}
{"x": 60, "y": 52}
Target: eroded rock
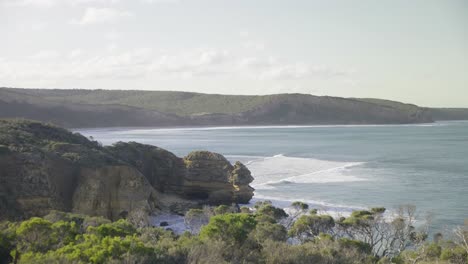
{"x": 43, "y": 168}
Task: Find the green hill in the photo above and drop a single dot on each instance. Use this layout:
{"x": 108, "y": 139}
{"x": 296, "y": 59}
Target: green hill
{"x": 101, "y": 108}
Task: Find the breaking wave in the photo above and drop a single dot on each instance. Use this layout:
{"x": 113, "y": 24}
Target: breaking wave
{"x": 280, "y": 169}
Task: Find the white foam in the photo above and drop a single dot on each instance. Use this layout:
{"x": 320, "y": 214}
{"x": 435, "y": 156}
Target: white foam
{"x": 150, "y": 130}
{"x": 334, "y": 210}
{"x": 283, "y": 169}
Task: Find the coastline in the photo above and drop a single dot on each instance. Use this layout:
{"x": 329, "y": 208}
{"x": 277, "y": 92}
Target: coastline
{"x": 146, "y": 128}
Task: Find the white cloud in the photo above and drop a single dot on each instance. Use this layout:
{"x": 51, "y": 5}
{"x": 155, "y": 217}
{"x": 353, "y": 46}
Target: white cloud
{"x": 94, "y": 15}
{"x": 76, "y": 2}
{"x": 76, "y": 53}
{"x": 192, "y": 64}
{"x": 212, "y": 57}
{"x": 52, "y": 3}
{"x": 38, "y": 26}
{"x": 271, "y": 68}
{"x": 47, "y": 68}
{"x": 254, "y": 45}
{"x": 244, "y": 34}
{"x": 34, "y": 3}
{"x": 160, "y": 1}
{"x": 113, "y": 35}
{"x": 112, "y": 47}
{"x": 45, "y": 55}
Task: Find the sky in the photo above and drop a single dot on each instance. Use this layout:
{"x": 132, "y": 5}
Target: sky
{"x": 413, "y": 51}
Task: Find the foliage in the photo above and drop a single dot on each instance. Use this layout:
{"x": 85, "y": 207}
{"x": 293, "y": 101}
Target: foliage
{"x": 227, "y": 238}
{"x": 35, "y": 235}
{"x": 223, "y": 209}
{"x": 120, "y": 228}
{"x": 310, "y": 226}
{"x": 196, "y": 218}
{"x": 268, "y": 231}
{"x": 270, "y": 210}
{"x": 233, "y": 228}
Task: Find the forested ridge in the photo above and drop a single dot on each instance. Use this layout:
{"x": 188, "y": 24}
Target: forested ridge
{"x": 110, "y": 108}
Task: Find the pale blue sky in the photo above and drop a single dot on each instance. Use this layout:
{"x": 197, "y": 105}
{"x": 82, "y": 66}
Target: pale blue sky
{"x": 411, "y": 51}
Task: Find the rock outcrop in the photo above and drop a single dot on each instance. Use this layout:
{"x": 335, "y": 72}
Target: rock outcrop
{"x": 201, "y": 175}
{"x": 43, "y": 168}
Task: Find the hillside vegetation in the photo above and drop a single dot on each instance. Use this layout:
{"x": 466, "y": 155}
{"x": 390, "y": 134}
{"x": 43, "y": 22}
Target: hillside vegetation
{"x": 224, "y": 235}
{"x": 105, "y": 108}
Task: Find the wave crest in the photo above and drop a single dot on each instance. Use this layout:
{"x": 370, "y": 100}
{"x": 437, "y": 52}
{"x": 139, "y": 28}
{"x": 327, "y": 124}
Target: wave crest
{"x": 280, "y": 169}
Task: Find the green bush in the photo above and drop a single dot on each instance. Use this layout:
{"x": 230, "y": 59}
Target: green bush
{"x": 233, "y": 228}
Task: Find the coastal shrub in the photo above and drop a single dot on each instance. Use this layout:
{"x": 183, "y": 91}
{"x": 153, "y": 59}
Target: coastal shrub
{"x": 195, "y": 219}
{"x": 268, "y": 231}
{"x": 120, "y": 228}
{"x": 321, "y": 251}
{"x": 94, "y": 221}
{"x": 259, "y": 204}
{"x": 227, "y": 238}
{"x": 232, "y": 228}
{"x": 65, "y": 232}
{"x": 309, "y": 226}
{"x": 297, "y": 209}
{"x": 300, "y": 206}
{"x": 35, "y": 235}
{"x": 456, "y": 254}
{"x": 355, "y": 244}
{"x": 211, "y": 251}
{"x": 270, "y": 210}
{"x": 7, "y": 238}
{"x": 245, "y": 210}
{"x": 223, "y": 209}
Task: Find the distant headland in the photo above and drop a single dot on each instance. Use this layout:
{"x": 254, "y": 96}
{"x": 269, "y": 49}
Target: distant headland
{"x": 125, "y": 108}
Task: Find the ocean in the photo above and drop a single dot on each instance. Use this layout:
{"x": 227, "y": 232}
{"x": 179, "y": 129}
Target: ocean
{"x": 337, "y": 168}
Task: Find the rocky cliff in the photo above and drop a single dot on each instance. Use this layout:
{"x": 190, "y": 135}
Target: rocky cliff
{"x": 201, "y": 175}
{"x": 43, "y": 167}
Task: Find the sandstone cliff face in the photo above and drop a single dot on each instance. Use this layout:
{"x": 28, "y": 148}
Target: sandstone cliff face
{"x": 43, "y": 167}
{"x": 201, "y": 175}
{"x": 202, "y": 178}
{"x": 111, "y": 191}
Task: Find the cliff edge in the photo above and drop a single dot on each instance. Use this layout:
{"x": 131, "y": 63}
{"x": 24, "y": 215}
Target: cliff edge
{"x": 43, "y": 168}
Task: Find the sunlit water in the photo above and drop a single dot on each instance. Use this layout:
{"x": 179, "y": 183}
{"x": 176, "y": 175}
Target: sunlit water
{"x": 337, "y": 168}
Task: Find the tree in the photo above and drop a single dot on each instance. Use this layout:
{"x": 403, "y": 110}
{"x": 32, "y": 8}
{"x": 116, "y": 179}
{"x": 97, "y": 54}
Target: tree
{"x": 310, "y": 226}
{"x": 268, "y": 231}
{"x": 233, "y": 228}
{"x": 385, "y": 237}
{"x": 7, "y": 241}
{"x": 224, "y": 209}
{"x": 195, "y": 219}
{"x": 35, "y": 235}
{"x": 270, "y": 210}
{"x": 298, "y": 208}
{"x": 65, "y": 232}
{"x": 461, "y": 236}
{"x": 120, "y": 228}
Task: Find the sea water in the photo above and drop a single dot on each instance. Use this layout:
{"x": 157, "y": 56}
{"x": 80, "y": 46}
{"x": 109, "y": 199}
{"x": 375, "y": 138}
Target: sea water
{"x": 337, "y": 168}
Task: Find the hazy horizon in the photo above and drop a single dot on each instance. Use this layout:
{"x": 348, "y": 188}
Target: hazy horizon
{"x": 409, "y": 51}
